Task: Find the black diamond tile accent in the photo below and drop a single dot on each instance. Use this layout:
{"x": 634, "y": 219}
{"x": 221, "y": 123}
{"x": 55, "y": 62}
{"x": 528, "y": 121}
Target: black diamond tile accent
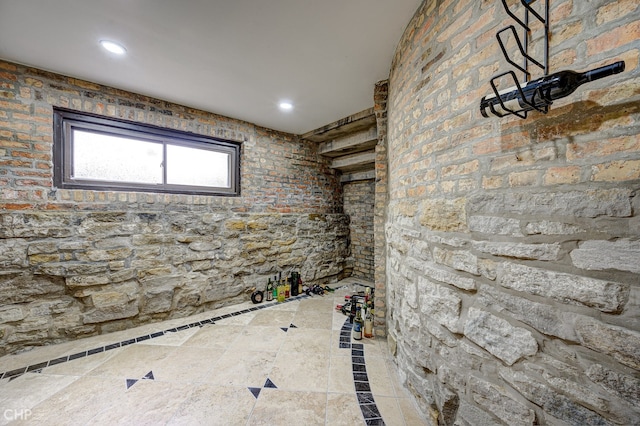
{"x": 131, "y": 382}
{"x": 345, "y": 345}
{"x": 158, "y": 334}
{"x": 358, "y": 346}
{"x": 374, "y": 422}
{"x": 255, "y": 391}
{"x": 269, "y": 384}
{"x": 96, "y": 351}
{"x": 226, "y": 316}
{"x": 58, "y": 361}
{"x": 253, "y": 309}
{"x": 235, "y": 314}
{"x": 355, "y": 352}
{"x": 143, "y": 338}
{"x": 183, "y": 327}
{"x": 292, "y": 326}
{"x": 127, "y": 342}
{"x": 37, "y": 366}
{"x": 149, "y": 376}
{"x": 285, "y": 329}
{"x": 214, "y": 319}
{"x": 78, "y": 355}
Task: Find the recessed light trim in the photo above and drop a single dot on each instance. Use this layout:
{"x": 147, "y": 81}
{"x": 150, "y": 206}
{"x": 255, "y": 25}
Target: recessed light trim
{"x": 286, "y": 106}
{"x": 113, "y": 47}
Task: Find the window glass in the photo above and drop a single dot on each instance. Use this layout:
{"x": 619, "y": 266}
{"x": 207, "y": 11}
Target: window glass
{"x": 95, "y": 152}
{"x": 191, "y": 166}
{"x": 115, "y": 158}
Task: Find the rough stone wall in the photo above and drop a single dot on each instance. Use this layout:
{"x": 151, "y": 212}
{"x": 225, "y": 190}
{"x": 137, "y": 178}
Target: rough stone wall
{"x": 358, "y": 204}
{"x": 76, "y": 262}
{"x": 380, "y": 96}
{"x": 514, "y": 245}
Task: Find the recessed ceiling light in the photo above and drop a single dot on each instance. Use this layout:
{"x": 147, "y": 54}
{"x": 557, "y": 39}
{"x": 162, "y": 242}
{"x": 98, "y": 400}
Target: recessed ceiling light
{"x": 286, "y": 106}
{"x": 113, "y": 47}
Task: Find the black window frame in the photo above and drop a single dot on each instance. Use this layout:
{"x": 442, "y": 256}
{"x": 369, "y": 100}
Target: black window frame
{"x": 66, "y": 120}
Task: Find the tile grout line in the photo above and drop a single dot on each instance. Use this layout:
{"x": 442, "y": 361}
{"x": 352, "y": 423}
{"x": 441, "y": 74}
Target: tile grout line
{"x": 15, "y": 373}
{"x": 277, "y": 353}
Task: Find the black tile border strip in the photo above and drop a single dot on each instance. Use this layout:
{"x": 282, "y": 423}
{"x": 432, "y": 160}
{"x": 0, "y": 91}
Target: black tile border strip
{"x": 364, "y": 396}
{"x": 13, "y": 374}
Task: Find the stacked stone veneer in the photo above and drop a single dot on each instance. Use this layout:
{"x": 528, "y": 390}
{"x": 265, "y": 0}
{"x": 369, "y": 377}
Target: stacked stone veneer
{"x": 513, "y": 263}
{"x": 358, "y": 204}
{"x": 75, "y": 263}
{"x": 380, "y": 97}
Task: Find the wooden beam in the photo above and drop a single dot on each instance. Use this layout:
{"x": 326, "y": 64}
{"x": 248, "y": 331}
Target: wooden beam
{"x": 352, "y": 143}
{"x": 355, "y": 162}
{"x": 358, "y": 176}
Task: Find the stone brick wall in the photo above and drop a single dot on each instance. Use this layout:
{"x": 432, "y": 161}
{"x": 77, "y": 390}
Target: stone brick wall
{"x": 76, "y": 262}
{"x": 358, "y": 204}
{"x": 513, "y": 245}
{"x": 380, "y": 97}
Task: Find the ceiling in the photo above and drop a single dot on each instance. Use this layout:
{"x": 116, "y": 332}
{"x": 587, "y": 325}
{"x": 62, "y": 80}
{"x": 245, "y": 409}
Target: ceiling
{"x": 238, "y": 58}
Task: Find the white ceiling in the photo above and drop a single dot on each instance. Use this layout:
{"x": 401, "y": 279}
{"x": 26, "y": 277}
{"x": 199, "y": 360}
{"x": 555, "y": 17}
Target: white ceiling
{"x": 237, "y": 58}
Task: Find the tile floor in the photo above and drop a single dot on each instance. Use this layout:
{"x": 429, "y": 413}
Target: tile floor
{"x": 292, "y": 363}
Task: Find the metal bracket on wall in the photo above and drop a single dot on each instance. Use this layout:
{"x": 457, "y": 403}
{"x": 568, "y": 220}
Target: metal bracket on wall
{"x": 523, "y": 48}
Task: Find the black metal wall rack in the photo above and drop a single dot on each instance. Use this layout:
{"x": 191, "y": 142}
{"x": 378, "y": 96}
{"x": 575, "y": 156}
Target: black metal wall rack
{"x": 523, "y": 47}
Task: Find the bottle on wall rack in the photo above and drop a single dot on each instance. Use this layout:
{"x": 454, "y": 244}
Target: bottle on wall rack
{"x": 540, "y": 93}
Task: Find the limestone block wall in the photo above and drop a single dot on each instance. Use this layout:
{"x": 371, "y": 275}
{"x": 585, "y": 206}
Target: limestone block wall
{"x": 513, "y": 245}
{"x": 75, "y": 263}
{"x": 358, "y": 204}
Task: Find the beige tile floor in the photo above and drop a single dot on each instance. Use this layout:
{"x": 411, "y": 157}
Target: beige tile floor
{"x": 203, "y": 375}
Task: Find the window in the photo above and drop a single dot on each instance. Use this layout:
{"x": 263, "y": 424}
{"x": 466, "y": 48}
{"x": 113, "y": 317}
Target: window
{"x": 93, "y": 152}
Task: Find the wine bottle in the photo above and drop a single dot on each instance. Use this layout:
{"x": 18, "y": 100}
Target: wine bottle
{"x": 358, "y": 325}
{"x": 275, "y": 288}
{"x": 269, "y": 291}
{"x": 294, "y": 284}
{"x": 543, "y": 91}
{"x": 287, "y": 288}
{"x": 352, "y": 309}
{"x": 368, "y": 323}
